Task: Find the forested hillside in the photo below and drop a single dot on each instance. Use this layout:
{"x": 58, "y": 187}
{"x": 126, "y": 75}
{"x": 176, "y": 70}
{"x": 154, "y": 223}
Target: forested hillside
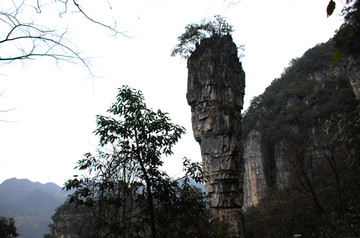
{"x": 301, "y": 144}
{"x": 31, "y": 204}
{"x": 305, "y": 95}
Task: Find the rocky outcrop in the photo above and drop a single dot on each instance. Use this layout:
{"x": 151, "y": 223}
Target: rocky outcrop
{"x": 254, "y": 178}
{"x": 216, "y": 83}
{"x": 353, "y": 73}
{"x": 289, "y": 117}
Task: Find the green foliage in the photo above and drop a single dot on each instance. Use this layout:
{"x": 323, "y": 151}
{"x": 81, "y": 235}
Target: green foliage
{"x": 7, "y": 228}
{"x": 73, "y": 220}
{"x": 125, "y": 194}
{"x": 282, "y": 214}
{"x": 347, "y": 130}
{"x": 300, "y": 97}
{"x": 322, "y": 159}
{"x": 138, "y": 137}
{"x": 182, "y": 211}
{"x": 196, "y": 32}
{"x": 347, "y": 37}
{"x": 321, "y": 198}
{"x": 193, "y": 170}
{"x": 336, "y": 59}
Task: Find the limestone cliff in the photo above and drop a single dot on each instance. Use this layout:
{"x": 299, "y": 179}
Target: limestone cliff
{"x": 353, "y": 73}
{"x": 289, "y": 114}
{"x": 254, "y": 178}
{"x": 216, "y": 83}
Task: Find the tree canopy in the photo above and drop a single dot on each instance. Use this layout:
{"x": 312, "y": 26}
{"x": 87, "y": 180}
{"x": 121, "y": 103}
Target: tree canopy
{"x": 314, "y": 128}
{"x": 196, "y": 32}
{"x": 125, "y": 191}
{"x": 8, "y": 228}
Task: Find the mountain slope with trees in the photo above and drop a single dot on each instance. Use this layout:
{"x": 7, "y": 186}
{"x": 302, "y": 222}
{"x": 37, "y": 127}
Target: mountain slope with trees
{"x": 302, "y": 144}
{"x": 309, "y": 183}
{"x": 31, "y": 204}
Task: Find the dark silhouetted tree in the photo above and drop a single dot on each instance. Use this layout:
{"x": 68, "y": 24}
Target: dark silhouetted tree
{"x": 7, "y": 228}
{"x": 195, "y": 32}
{"x": 125, "y": 190}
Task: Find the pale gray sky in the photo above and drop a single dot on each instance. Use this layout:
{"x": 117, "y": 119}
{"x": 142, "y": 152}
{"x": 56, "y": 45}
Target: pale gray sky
{"x": 56, "y": 104}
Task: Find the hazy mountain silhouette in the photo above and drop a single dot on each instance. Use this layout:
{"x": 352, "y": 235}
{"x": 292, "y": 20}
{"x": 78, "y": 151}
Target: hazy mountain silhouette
{"x": 31, "y": 204}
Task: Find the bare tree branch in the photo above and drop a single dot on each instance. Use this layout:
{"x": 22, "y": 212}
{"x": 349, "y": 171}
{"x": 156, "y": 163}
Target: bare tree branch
{"x": 21, "y": 40}
{"x": 8, "y": 110}
{"x": 97, "y": 22}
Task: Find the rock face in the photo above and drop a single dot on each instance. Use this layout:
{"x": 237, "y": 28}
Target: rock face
{"x": 353, "y": 73}
{"x": 265, "y": 168}
{"x": 290, "y": 114}
{"x": 216, "y": 83}
{"x": 254, "y": 178}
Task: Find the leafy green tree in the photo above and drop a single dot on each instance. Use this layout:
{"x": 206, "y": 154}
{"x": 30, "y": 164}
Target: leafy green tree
{"x": 126, "y": 193}
{"x": 196, "y": 32}
{"x": 347, "y": 37}
{"x": 139, "y": 137}
{"x": 72, "y": 220}
{"x": 7, "y": 228}
{"x": 345, "y": 131}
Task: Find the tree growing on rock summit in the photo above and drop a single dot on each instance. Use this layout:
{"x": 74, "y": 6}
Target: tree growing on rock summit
{"x": 196, "y": 32}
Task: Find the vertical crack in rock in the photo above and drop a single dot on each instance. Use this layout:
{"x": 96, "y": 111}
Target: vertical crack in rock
{"x": 216, "y": 83}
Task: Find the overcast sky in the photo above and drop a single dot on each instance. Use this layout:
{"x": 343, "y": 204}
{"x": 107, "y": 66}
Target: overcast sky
{"x": 56, "y": 103}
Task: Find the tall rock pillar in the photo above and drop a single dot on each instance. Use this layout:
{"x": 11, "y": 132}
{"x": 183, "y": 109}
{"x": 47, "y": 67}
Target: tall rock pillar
{"x": 216, "y": 83}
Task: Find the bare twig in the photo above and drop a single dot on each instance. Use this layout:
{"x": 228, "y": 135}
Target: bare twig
{"x": 20, "y": 40}
{"x": 98, "y": 22}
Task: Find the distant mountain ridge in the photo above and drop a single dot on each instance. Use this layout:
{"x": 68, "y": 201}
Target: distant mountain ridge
{"x": 31, "y": 204}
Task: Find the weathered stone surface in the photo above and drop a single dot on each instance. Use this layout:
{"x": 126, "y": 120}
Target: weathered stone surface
{"x": 353, "y": 73}
{"x": 216, "y": 83}
{"x": 282, "y": 167}
{"x": 267, "y": 160}
{"x": 254, "y": 178}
